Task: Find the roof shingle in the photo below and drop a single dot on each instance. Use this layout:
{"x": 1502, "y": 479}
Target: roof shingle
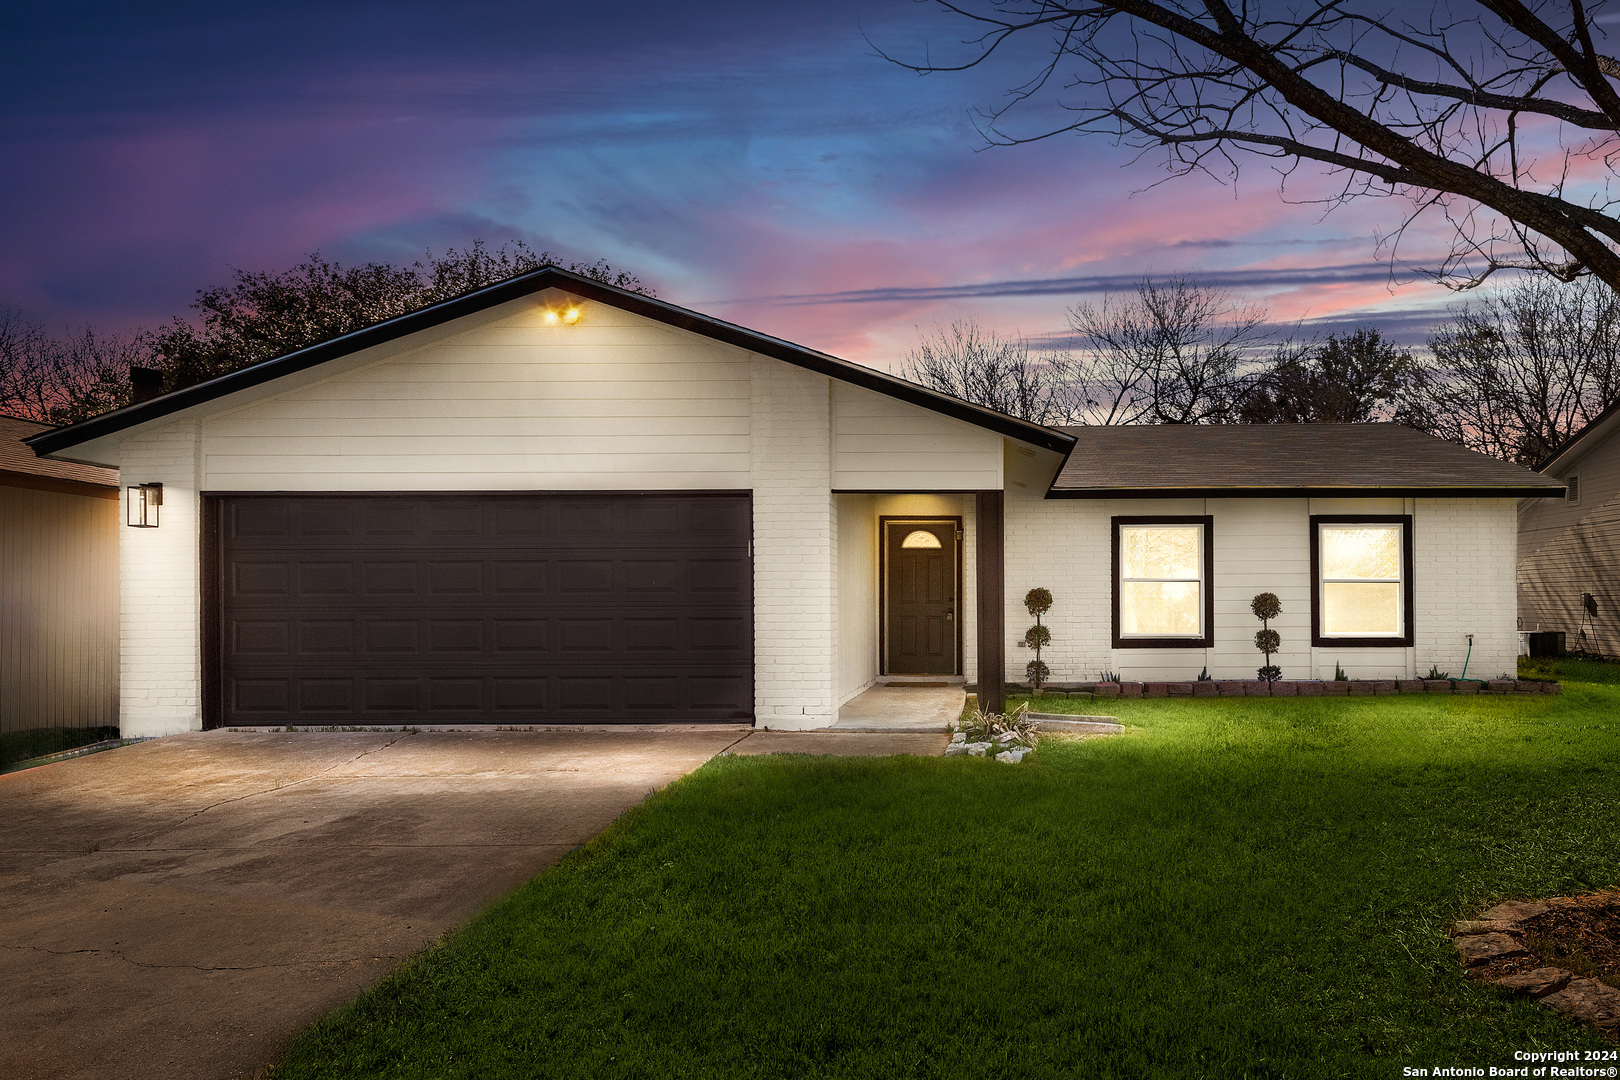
{"x": 18, "y": 458}
{"x": 1283, "y": 459}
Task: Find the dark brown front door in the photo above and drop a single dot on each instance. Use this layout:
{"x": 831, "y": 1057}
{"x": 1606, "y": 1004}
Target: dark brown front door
{"x": 920, "y": 597}
{"x": 484, "y": 608}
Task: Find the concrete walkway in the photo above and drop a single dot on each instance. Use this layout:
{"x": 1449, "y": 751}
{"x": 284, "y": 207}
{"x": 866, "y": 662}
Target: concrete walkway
{"x": 903, "y": 707}
{"x": 183, "y": 907}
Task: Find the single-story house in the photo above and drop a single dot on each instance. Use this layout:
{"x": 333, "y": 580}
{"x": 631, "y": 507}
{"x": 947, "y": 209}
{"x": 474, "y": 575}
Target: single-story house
{"x": 556, "y": 501}
{"x": 1569, "y": 548}
{"x": 58, "y": 588}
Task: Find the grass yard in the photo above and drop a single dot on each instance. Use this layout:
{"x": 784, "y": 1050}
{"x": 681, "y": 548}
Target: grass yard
{"x": 1234, "y": 888}
{"x": 18, "y": 746}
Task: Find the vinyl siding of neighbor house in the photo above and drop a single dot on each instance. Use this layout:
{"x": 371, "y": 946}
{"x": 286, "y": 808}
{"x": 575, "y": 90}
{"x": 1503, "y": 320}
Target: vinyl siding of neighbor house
{"x": 502, "y": 401}
{"x": 58, "y": 603}
{"x": 1463, "y": 583}
{"x": 1566, "y": 549}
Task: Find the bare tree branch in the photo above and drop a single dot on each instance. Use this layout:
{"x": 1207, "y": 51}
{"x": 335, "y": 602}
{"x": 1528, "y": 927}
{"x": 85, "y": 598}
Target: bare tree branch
{"x": 1498, "y": 115}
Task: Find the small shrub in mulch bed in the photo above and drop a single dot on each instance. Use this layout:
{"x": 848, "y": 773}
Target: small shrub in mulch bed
{"x": 1565, "y": 952}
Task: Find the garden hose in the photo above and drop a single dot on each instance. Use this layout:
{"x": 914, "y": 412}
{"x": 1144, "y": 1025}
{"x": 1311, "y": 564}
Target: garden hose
{"x": 1470, "y": 656}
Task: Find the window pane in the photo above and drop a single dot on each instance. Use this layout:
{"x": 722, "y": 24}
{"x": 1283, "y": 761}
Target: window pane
{"x": 1160, "y": 551}
{"x": 1361, "y": 551}
{"x": 1159, "y": 608}
{"x": 1361, "y": 609}
{"x": 922, "y": 538}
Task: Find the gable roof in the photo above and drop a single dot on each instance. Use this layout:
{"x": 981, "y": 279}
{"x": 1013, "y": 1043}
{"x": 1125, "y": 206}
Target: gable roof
{"x": 1283, "y": 460}
{"x": 20, "y": 468}
{"x": 516, "y": 288}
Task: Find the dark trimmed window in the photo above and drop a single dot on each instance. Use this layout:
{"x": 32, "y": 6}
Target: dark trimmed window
{"x": 1361, "y": 573}
{"x": 1163, "y": 595}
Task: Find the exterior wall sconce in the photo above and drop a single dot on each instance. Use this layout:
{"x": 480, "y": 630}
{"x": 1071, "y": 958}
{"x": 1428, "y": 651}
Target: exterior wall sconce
{"x": 142, "y": 505}
{"x": 568, "y": 316}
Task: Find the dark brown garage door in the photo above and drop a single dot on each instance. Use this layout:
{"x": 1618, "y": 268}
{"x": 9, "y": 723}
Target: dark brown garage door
{"x": 497, "y": 609}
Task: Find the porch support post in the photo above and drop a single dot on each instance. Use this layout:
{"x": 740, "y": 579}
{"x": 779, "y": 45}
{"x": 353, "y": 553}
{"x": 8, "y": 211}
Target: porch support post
{"x": 991, "y": 558}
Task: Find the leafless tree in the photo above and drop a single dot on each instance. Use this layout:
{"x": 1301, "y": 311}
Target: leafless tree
{"x": 1178, "y": 352}
{"x": 1355, "y": 378}
{"x": 261, "y": 315}
{"x": 999, "y": 373}
{"x": 60, "y": 380}
{"x": 1520, "y": 371}
{"x": 1498, "y": 115}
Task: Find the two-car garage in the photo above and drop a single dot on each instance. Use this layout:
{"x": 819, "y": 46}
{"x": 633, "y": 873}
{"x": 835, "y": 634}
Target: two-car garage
{"x": 477, "y": 608}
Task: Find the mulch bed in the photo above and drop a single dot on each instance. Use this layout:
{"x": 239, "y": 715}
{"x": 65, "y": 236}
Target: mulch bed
{"x": 1580, "y": 934}
{"x": 1565, "y": 952}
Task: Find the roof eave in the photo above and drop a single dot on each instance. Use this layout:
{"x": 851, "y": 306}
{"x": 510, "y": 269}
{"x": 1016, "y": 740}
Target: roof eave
{"x": 516, "y": 288}
{"x": 1478, "y": 492}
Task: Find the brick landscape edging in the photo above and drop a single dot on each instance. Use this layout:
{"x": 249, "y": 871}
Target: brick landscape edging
{"x": 1322, "y": 687}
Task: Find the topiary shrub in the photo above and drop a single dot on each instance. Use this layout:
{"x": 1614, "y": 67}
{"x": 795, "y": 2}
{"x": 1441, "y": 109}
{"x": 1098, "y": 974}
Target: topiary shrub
{"x": 1038, "y": 602}
{"x": 1266, "y": 607}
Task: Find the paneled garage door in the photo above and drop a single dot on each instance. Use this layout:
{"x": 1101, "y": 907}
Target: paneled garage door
{"x": 497, "y": 609}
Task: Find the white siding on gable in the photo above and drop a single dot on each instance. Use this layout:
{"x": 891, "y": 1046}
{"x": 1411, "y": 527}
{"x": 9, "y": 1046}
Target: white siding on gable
{"x": 881, "y": 444}
{"x": 614, "y": 402}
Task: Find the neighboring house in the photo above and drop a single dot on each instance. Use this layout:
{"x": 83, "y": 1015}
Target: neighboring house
{"x": 1569, "y": 548}
{"x": 557, "y": 501}
{"x": 58, "y": 588}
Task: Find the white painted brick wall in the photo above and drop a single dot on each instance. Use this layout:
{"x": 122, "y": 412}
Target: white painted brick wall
{"x": 795, "y": 548}
{"x": 161, "y": 685}
{"x": 1465, "y": 550}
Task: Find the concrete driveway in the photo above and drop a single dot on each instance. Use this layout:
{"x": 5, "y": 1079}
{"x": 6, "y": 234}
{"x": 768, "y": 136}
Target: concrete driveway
{"x": 181, "y": 908}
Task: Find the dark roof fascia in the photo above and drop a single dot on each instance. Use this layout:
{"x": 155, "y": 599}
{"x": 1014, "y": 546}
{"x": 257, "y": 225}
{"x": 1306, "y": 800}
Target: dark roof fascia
{"x": 1547, "y": 491}
{"x": 514, "y": 289}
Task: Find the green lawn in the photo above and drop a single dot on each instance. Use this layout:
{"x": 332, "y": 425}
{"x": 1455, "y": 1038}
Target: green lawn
{"x": 18, "y": 746}
{"x": 1234, "y": 888}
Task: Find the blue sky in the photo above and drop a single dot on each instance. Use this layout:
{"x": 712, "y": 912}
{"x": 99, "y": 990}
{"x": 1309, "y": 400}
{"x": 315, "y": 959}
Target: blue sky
{"x": 753, "y": 160}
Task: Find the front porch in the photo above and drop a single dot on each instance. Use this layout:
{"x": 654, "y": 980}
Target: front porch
{"x": 920, "y": 598}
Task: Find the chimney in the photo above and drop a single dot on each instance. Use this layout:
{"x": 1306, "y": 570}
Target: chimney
{"x": 147, "y": 382}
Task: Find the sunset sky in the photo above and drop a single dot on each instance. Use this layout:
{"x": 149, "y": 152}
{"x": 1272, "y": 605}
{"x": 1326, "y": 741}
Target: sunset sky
{"x": 756, "y": 161}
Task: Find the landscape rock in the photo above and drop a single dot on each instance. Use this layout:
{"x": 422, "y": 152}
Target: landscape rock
{"x": 1013, "y": 757}
{"x": 1130, "y": 689}
{"x": 977, "y": 749}
{"x": 1256, "y": 688}
{"x": 1358, "y": 687}
{"x": 1477, "y": 949}
{"x": 1409, "y": 686}
{"x": 1481, "y": 926}
{"x": 1285, "y": 688}
{"x": 1437, "y": 686}
{"x": 1179, "y": 689}
{"x": 1514, "y": 911}
{"x": 1107, "y": 689}
{"x": 1538, "y": 983}
{"x": 956, "y": 749}
{"x": 1590, "y": 1001}
{"x": 1310, "y": 689}
{"x": 1383, "y": 686}
{"x": 1465, "y": 686}
{"x": 1155, "y": 689}
{"x": 1336, "y": 688}
{"x": 1500, "y": 686}
{"x": 1203, "y": 688}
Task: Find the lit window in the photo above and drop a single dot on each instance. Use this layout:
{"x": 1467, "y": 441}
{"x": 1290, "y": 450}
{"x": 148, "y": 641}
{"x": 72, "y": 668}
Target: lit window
{"x": 922, "y": 538}
{"x": 1162, "y": 585}
{"x": 1363, "y": 575}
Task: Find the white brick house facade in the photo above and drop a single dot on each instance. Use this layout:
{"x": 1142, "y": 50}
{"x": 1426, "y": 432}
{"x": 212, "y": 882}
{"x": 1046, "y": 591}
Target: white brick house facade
{"x": 639, "y": 397}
